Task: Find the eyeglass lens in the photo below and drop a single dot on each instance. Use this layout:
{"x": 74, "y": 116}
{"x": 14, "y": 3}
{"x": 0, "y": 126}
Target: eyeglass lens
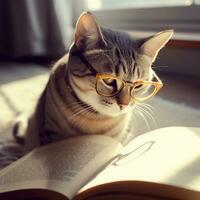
{"x": 111, "y": 87}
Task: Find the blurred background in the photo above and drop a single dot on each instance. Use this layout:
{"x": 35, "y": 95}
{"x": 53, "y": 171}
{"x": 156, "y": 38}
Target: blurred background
{"x": 35, "y": 33}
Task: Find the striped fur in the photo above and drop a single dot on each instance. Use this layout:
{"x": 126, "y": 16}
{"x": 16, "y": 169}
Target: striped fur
{"x": 60, "y": 114}
{"x": 70, "y": 106}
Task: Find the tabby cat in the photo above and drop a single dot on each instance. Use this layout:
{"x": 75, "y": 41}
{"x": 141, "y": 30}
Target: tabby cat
{"x": 90, "y": 89}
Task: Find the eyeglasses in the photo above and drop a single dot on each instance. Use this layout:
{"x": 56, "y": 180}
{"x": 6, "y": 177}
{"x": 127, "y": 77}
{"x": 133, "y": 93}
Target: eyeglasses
{"x": 109, "y": 86}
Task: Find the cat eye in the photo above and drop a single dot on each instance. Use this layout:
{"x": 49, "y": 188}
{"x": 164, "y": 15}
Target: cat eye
{"x": 108, "y": 81}
{"x": 138, "y": 86}
{"x": 109, "y": 86}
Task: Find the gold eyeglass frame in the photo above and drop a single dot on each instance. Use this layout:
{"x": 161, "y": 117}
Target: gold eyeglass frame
{"x": 100, "y": 76}
{"x": 157, "y": 85}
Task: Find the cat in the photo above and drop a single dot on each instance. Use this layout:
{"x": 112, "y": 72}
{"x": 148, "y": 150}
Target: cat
{"x": 70, "y": 105}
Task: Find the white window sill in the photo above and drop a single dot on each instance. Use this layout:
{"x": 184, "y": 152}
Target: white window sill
{"x": 177, "y": 35}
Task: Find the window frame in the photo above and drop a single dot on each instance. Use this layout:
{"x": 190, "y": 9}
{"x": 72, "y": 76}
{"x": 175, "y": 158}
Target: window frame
{"x": 183, "y": 19}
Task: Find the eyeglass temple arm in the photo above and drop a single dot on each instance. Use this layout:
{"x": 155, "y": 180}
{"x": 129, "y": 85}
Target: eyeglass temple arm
{"x": 85, "y": 61}
{"x": 155, "y": 75}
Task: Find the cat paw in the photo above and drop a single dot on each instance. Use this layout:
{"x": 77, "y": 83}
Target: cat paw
{"x": 19, "y": 129}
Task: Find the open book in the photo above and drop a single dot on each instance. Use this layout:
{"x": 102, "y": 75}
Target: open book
{"x": 161, "y": 164}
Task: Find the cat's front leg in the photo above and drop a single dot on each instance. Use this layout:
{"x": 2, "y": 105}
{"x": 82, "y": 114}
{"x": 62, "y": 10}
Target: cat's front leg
{"x": 32, "y": 138}
{"x": 25, "y": 132}
{"x": 19, "y": 128}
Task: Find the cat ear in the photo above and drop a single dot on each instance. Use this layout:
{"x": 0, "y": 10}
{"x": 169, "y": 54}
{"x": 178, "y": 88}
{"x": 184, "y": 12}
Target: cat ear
{"x": 154, "y": 44}
{"x": 87, "y": 31}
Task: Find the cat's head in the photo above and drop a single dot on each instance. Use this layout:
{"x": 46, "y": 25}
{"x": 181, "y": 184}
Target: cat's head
{"x": 113, "y": 53}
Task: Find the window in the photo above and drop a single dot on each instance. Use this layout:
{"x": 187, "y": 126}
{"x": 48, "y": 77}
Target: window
{"x": 144, "y": 17}
{"x": 118, "y": 4}
{"x": 148, "y": 15}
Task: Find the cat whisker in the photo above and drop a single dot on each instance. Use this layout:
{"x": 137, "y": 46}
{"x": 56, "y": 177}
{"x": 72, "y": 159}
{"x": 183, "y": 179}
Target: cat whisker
{"x": 75, "y": 103}
{"x": 88, "y": 114}
{"x": 148, "y": 112}
{"x": 79, "y": 112}
{"x": 156, "y": 67}
{"x": 144, "y": 115}
{"x": 140, "y": 112}
{"x": 147, "y": 107}
{"x": 81, "y": 122}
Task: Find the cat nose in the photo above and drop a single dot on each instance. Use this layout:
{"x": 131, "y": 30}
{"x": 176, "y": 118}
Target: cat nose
{"x": 122, "y": 106}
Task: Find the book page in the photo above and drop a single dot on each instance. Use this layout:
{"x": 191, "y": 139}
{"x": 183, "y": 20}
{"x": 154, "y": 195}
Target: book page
{"x": 64, "y": 166}
{"x": 168, "y": 156}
